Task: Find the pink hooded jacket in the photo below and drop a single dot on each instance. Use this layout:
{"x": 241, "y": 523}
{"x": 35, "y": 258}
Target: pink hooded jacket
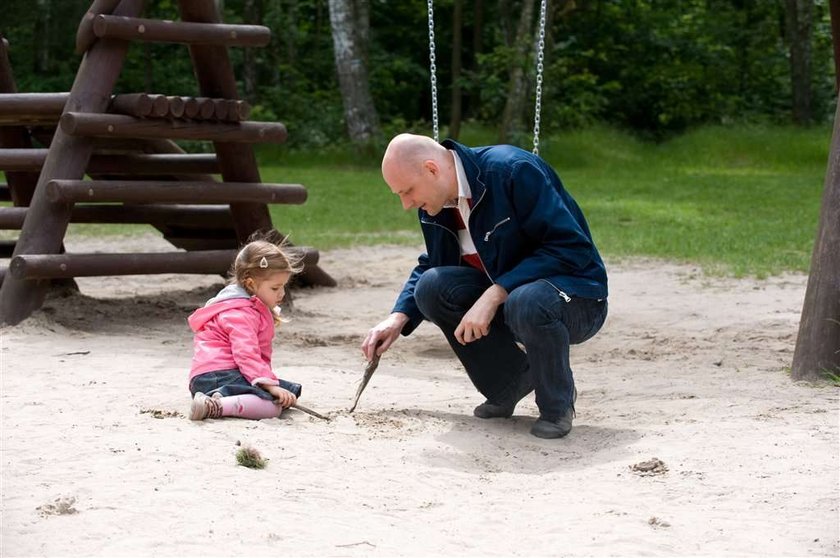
{"x": 233, "y": 330}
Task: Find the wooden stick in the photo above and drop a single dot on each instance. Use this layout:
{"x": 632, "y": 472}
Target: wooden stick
{"x": 155, "y": 30}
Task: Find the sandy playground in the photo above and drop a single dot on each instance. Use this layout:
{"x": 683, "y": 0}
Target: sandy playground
{"x": 98, "y": 458}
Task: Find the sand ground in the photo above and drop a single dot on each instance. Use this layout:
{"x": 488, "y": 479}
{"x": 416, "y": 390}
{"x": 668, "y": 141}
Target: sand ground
{"x": 98, "y": 458}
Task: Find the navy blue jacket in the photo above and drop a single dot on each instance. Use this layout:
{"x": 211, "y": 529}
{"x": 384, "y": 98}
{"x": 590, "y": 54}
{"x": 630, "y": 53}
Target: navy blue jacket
{"x": 524, "y": 224}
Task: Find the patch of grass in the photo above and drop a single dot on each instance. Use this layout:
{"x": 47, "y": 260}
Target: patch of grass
{"x": 251, "y": 458}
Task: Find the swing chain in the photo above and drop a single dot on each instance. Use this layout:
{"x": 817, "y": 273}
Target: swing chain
{"x": 538, "y": 92}
{"x": 433, "y": 69}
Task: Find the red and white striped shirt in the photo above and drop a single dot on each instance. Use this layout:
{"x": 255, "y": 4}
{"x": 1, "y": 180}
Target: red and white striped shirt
{"x": 462, "y": 213}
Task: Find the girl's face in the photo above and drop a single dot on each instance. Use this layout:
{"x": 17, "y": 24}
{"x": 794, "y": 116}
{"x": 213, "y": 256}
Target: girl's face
{"x": 270, "y": 289}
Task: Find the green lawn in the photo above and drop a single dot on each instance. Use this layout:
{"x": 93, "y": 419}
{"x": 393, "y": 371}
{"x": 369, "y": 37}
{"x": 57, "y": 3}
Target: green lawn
{"x": 735, "y": 200}
{"x": 742, "y": 201}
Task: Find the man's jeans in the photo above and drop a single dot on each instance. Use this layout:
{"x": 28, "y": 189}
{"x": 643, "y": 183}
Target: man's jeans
{"x": 535, "y": 314}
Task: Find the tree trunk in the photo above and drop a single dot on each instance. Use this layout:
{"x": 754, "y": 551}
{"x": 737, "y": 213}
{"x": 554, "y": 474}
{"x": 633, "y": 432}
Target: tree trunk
{"x": 42, "y": 36}
{"x": 455, "y": 111}
{"x": 798, "y": 24}
{"x": 350, "y": 20}
{"x": 518, "y": 84}
{"x": 251, "y": 15}
{"x": 818, "y": 342}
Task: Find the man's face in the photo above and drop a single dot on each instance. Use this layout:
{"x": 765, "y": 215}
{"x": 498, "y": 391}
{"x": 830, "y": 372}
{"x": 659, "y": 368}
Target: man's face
{"x": 422, "y": 190}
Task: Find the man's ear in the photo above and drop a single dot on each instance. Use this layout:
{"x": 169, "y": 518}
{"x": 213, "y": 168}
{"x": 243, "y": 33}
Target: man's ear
{"x": 430, "y": 166}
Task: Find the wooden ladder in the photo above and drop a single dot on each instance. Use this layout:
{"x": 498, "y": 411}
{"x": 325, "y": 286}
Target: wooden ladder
{"x": 138, "y": 174}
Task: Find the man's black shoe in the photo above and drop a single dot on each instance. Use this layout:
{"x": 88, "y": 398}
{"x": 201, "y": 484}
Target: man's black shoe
{"x": 543, "y": 428}
{"x": 504, "y": 409}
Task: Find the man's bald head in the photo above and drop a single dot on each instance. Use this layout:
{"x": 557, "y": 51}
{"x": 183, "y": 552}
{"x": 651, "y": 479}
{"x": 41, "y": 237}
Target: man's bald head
{"x": 420, "y": 171}
{"x": 407, "y": 153}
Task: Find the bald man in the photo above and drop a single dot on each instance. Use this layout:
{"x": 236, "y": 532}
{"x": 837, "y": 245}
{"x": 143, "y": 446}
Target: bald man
{"x": 509, "y": 263}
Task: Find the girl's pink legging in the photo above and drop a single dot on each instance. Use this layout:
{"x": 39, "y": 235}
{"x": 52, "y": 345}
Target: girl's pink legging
{"x": 249, "y": 406}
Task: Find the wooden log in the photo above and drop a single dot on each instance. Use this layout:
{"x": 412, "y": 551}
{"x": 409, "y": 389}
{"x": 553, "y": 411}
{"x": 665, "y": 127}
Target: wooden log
{"x": 206, "y": 108}
{"x": 191, "y": 107}
{"x": 238, "y": 110}
{"x": 220, "y": 109}
{"x": 11, "y": 218}
{"x": 133, "y": 104}
{"x": 30, "y": 107}
{"x": 164, "y": 31}
{"x": 189, "y": 216}
{"x": 130, "y": 163}
{"x": 817, "y": 351}
{"x": 160, "y": 106}
{"x": 176, "y": 107}
{"x": 50, "y": 266}
{"x": 137, "y": 191}
{"x": 45, "y": 223}
{"x": 119, "y": 126}
{"x": 54, "y": 266}
{"x": 84, "y": 34}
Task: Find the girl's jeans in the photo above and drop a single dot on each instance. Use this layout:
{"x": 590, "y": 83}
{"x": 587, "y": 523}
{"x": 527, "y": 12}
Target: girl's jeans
{"x": 535, "y": 315}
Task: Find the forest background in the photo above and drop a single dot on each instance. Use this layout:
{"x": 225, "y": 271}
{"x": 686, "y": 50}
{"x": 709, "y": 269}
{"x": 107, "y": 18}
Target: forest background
{"x": 359, "y": 69}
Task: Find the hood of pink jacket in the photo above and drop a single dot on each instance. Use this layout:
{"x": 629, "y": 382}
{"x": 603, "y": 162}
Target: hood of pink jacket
{"x": 203, "y": 315}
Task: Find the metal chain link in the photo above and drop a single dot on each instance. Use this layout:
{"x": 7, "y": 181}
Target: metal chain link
{"x": 538, "y": 92}
{"x": 433, "y": 69}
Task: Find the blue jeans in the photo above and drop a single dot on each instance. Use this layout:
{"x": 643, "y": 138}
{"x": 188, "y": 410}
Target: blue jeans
{"x": 535, "y": 315}
{"x": 232, "y": 382}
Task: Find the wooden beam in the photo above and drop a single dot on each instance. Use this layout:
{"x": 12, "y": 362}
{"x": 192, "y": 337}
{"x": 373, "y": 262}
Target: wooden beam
{"x": 138, "y": 191}
{"x": 16, "y": 107}
{"x": 84, "y": 35}
{"x": 45, "y": 224}
{"x": 130, "y": 163}
{"x": 202, "y": 262}
{"x": 119, "y": 126}
{"x": 164, "y": 31}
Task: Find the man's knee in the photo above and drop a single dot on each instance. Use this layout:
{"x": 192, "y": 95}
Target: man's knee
{"x": 524, "y": 308}
{"x": 427, "y": 290}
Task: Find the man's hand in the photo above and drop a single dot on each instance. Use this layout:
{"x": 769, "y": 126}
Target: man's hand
{"x": 476, "y": 322}
{"x": 282, "y": 397}
{"x": 380, "y": 338}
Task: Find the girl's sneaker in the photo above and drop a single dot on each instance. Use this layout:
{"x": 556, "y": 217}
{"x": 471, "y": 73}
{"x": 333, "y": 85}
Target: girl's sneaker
{"x": 203, "y": 407}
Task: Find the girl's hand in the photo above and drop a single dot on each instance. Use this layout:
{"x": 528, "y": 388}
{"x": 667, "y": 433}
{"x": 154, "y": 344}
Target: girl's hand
{"x": 282, "y": 397}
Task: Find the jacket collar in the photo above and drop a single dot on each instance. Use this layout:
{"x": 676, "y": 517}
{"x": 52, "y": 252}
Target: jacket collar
{"x": 469, "y": 160}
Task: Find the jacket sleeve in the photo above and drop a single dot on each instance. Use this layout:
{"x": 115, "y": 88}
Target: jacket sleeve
{"x": 241, "y": 325}
{"x": 405, "y": 301}
{"x": 562, "y": 247}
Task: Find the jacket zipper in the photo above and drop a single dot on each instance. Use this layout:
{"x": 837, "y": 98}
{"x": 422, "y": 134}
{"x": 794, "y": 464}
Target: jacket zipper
{"x": 496, "y": 226}
{"x": 566, "y": 297}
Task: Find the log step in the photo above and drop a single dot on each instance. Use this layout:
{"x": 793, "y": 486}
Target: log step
{"x": 188, "y": 163}
{"x": 181, "y": 32}
{"x": 199, "y": 216}
{"x": 35, "y": 108}
{"x": 120, "y": 126}
{"x": 205, "y": 262}
{"x": 71, "y": 191}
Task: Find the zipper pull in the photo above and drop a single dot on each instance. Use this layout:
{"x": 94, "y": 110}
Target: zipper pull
{"x": 566, "y": 297}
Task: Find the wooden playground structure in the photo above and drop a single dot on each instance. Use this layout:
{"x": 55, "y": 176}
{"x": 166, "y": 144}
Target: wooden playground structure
{"x": 137, "y": 173}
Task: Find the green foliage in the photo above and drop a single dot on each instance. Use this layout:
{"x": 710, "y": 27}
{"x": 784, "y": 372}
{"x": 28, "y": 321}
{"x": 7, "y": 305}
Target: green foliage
{"x": 656, "y": 68}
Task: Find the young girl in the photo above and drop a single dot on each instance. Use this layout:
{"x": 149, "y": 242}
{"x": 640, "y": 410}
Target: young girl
{"x": 231, "y": 372}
